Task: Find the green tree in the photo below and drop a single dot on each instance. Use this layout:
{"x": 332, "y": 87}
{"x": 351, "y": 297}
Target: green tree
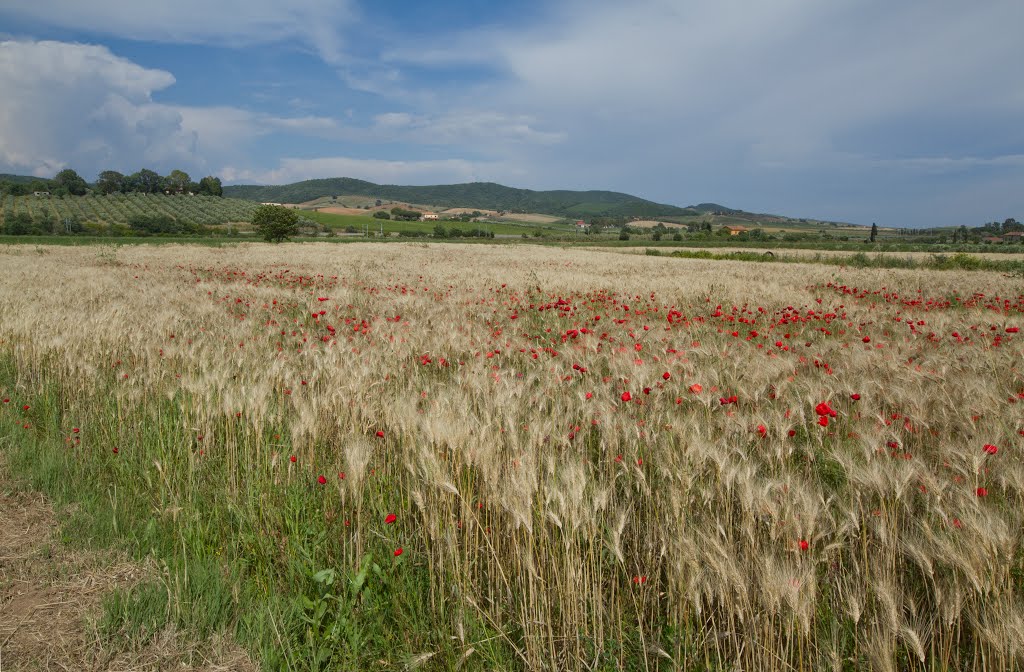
{"x": 381, "y": 214}
{"x": 211, "y": 186}
{"x": 177, "y": 182}
{"x": 20, "y": 224}
{"x": 275, "y": 223}
{"x": 145, "y": 181}
{"x": 71, "y": 182}
{"x": 874, "y": 232}
{"x": 109, "y": 182}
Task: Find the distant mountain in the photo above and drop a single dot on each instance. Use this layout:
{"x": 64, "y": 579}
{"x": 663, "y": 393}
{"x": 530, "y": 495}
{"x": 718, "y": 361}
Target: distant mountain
{"x": 24, "y": 179}
{"x": 483, "y": 195}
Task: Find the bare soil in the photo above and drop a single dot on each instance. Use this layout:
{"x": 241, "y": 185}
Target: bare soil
{"x": 51, "y": 596}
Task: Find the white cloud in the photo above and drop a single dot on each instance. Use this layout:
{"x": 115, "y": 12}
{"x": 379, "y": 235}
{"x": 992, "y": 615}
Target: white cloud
{"x": 373, "y": 170}
{"x": 315, "y": 23}
{"x": 80, "y": 103}
{"x": 83, "y": 107}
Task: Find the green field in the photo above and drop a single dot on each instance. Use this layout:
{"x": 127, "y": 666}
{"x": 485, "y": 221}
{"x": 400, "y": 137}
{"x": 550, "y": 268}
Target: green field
{"x": 359, "y": 222}
{"x": 118, "y": 208}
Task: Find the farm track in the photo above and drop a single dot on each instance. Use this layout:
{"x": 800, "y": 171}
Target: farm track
{"x": 51, "y": 600}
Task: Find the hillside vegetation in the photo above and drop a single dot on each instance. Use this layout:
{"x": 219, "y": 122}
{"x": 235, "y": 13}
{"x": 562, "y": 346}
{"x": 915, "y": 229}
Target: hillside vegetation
{"x": 51, "y": 214}
{"x": 485, "y": 195}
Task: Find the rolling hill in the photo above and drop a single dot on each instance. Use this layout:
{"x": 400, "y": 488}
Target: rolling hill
{"x": 484, "y": 195}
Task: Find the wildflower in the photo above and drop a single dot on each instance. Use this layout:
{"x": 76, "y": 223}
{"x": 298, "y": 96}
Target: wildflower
{"x": 114, "y": 450}
{"x": 823, "y": 421}
{"x": 762, "y": 430}
{"x": 25, "y": 407}
{"x": 292, "y": 458}
{"x": 390, "y": 518}
{"x": 696, "y": 388}
{"x": 824, "y": 409}
{"x": 626, "y": 396}
{"x": 804, "y": 545}
{"x": 666, "y": 375}
{"x": 866, "y": 339}
{"x": 990, "y": 449}
{"x": 855, "y": 396}
{"x": 321, "y": 479}
{"x": 791, "y": 433}
{"x": 981, "y": 492}
{"x": 398, "y": 551}
{"x": 380, "y": 433}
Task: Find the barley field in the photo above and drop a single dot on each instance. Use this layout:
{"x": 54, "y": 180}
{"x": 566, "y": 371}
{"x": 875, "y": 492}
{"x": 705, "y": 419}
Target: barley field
{"x": 515, "y": 457}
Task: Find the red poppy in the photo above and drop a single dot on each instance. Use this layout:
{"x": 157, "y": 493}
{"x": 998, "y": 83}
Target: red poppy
{"x": 380, "y": 433}
{"x": 696, "y": 388}
{"x": 626, "y": 396}
{"x": 823, "y": 421}
{"x": 990, "y": 449}
{"x": 804, "y": 545}
{"x": 589, "y": 395}
{"x": 855, "y": 396}
{"x": 791, "y": 433}
{"x": 114, "y": 449}
{"x": 292, "y": 458}
{"x": 25, "y": 407}
{"x": 825, "y": 409}
{"x": 390, "y": 519}
{"x": 666, "y": 375}
{"x": 981, "y": 492}
{"x": 321, "y": 479}
{"x": 866, "y": 339}
{"x": 398, "y": 551}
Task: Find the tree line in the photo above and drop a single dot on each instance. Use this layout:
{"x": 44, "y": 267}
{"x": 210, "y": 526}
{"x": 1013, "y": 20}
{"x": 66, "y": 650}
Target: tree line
{"x": 69, "y": 183}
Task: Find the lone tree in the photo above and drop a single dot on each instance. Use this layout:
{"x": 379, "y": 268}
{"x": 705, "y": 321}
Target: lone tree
{"x": 275, "y": 223}
{"x": 874, "y": 231}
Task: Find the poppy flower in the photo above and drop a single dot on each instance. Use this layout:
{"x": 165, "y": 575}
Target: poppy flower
{"x": 321, "y": 479}
{"x": 639, "y": 579}
{"x": 990, "y": 449}
{"x": 791, "y": 433}
{"x": 866, "y": 339}
{"x": 981, "y": 492}
{"x": 825, "y": 409}
{"x": 626, "y": 396}
{"x": 762, "y": 430}
{"x": 398, "y": 551}
{"x": 114, "y": 450}
{"x": 823, "y": 421}
{"x": 25, "y": 407}
{"x": 804, "y": 545}
{"x": 855, "y": 396}
{"x": 292, "y": 458}
{"x": 666, "y": 375}
{"x": 390, "y": 519}
{"x": 590, "y": 395}
{"x": 696, "y": 388}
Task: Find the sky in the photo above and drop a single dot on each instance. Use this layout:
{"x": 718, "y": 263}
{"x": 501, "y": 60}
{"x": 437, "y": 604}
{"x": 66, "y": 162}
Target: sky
{"x": 907, "y": 114}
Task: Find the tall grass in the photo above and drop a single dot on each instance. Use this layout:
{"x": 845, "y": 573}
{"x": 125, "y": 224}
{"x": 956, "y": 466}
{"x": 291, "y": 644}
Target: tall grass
{"x": 546, "y": 519}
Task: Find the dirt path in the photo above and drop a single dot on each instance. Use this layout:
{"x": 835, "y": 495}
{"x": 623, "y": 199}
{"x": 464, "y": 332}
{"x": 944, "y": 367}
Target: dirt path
{"x": 51, "y": 596}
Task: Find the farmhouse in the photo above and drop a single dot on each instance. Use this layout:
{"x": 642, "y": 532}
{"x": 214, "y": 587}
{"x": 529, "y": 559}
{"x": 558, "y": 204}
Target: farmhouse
{"x": 991, "y": 239}
{"x": 40, "y": 193}
{"x": 1014, "y": 237}
{"x": 429, "y": 216}
{"x": 735, "y": 230}
{"x": 580, "y": 224}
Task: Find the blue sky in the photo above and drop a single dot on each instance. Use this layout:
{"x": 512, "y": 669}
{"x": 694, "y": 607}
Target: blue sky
{"x": 905, "y": 114}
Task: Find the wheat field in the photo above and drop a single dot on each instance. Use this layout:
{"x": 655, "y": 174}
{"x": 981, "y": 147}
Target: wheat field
{"x": 518, "y": 457}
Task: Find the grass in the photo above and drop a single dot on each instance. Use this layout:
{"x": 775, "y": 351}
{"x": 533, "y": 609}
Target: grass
{"x": 546, "y": 519}
{"x": 340, "y": 222}
{"x": 956, "y": 262}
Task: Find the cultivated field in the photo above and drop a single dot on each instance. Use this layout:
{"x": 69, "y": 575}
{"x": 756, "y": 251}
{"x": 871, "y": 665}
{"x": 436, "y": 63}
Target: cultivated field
{"x": 375, "y": 456}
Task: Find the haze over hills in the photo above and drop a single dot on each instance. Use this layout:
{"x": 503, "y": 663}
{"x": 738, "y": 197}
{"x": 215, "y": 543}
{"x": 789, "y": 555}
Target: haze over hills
{"x": 484, "y": 195}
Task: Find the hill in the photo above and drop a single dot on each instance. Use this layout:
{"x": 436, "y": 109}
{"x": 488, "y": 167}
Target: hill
{"x": 119, "y": 208}
{"x": 483, "y": 195}
{"x": 20, "y": 179}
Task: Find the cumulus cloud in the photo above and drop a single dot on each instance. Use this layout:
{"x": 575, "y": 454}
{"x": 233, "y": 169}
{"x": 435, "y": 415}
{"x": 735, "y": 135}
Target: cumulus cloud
{"x": 316, "y": 23}
{"x": 78, "y": 103}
